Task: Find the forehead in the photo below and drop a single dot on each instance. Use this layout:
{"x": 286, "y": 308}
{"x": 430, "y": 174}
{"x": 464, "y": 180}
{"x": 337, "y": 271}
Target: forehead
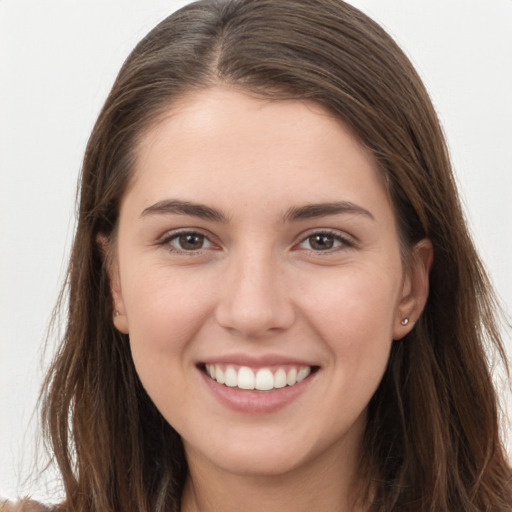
{"x": 221, "y": 142}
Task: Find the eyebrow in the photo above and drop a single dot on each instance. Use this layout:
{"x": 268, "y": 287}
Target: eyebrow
{"x": 312, "y": 211}
{"x": 174, "y": 206}
{"x": 309, "y": 211}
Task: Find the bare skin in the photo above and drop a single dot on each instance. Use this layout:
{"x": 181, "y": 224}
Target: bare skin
{"x": 258, "y": 237}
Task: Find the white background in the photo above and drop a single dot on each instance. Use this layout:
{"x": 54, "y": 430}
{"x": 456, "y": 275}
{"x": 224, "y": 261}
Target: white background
{"x": 58, "y": 59}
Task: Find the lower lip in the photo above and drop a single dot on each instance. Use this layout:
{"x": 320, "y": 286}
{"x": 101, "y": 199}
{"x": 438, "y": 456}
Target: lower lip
{"x": 253, "y": 401}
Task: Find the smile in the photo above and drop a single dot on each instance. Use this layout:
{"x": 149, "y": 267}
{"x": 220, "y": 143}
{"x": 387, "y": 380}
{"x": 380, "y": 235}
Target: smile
{"x": 262, "y": 379}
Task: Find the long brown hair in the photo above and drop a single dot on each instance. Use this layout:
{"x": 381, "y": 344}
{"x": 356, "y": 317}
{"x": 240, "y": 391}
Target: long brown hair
{"x": 432, "y": 440}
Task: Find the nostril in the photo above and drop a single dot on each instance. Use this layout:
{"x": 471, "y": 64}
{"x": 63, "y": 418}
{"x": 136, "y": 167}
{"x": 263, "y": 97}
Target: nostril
{"x": 247, "y": 317}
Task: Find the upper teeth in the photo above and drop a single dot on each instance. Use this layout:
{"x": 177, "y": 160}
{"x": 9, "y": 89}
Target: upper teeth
{"x": 262, "y": 379}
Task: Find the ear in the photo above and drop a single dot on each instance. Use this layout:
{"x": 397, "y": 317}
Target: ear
{"x": 110, "y": 261}
{"x": 415, "y": 288}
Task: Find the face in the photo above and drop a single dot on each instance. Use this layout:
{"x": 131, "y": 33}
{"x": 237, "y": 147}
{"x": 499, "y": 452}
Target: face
{"x": 259, "y": 277}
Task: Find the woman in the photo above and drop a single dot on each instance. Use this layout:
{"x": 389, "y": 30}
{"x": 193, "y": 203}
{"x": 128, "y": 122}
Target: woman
{"x": 273, "y": 298}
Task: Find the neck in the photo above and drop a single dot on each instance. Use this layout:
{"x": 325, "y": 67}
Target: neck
{"x": 326, "y": 483}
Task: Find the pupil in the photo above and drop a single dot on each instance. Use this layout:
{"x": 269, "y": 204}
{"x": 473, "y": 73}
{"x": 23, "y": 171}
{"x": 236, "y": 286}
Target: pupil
{"x": 321, "y": 242}
{"x": 191, "y": 241}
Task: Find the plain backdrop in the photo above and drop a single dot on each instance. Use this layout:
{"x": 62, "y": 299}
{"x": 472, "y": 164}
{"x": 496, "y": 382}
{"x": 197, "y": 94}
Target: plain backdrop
{"x": 58, "y": 60}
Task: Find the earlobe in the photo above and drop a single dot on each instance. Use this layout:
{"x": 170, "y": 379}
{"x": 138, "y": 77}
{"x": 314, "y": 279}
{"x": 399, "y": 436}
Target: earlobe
{"x": 119, "y": 319}
{"x": 415, "y": 289}
{"x": 120, "y": 322}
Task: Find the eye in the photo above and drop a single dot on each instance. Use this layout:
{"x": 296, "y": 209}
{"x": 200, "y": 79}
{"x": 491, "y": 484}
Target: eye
{"x": 187, "y": 241}
{"x": 324, "y": 241}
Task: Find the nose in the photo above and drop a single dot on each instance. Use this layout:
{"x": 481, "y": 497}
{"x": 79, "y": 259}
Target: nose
{"x": 254, "y": 301}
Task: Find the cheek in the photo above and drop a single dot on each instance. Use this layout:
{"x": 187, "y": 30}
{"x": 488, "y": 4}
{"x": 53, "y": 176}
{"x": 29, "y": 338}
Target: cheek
{"x": 363, "y": 300}
{"x": 354, "y": 316}
{"x": 164, "y": 313}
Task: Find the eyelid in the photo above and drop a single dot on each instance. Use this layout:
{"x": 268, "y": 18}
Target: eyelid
{"x": 346, "y": 240}
{"x": 172, "y": 234}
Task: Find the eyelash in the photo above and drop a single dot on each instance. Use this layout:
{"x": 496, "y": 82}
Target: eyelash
{"x": 344, "y": 242}
{"x": 339, "y": 242}
{"x": 175, "y": 236}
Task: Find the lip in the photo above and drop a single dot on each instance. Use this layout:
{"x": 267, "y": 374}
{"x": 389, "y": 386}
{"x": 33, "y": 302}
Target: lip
{"x": 254, "y": 401}
{"x": 264, "y": 361}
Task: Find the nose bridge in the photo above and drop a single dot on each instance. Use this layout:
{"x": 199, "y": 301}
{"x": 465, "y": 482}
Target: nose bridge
{"x": 254, "y": 301}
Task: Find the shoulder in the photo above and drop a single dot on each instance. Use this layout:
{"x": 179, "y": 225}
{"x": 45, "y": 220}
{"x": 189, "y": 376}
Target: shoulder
{"x": 22, "y": 506}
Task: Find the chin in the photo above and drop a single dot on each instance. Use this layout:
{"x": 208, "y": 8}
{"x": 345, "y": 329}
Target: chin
{"x": 261, "y": 462}
{"x": 265, "y": 452}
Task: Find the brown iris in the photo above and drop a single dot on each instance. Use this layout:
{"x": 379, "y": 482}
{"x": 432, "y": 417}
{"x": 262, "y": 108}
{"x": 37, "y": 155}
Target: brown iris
{"x": 191, "y": 241}
{"x": 321, "y": 242}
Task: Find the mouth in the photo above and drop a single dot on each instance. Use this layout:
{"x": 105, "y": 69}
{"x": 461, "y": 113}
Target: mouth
{"x": 259, "y": 379}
